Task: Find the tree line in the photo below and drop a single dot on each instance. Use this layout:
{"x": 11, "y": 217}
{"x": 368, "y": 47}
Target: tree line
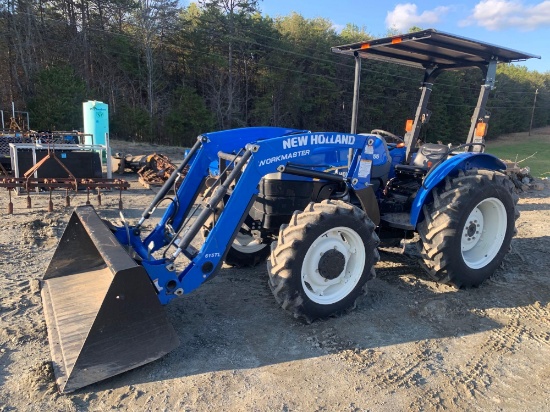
{"x": 170, "y": 72}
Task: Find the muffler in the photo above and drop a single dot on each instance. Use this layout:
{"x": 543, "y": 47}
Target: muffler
{"x": 101, "y": 308}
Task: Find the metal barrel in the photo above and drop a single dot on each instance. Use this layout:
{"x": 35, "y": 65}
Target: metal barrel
{"x": 102, "y": 312}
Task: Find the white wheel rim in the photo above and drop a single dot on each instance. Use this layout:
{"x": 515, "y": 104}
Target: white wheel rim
{"x": 328, "y": 291}
{"x": 247, "y": 244}
{"x": 483, "y": 233}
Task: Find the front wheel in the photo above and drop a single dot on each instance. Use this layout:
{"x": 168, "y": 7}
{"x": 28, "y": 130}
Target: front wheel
{"x": 322, "y": 260}
{"x": 468, "y": 227}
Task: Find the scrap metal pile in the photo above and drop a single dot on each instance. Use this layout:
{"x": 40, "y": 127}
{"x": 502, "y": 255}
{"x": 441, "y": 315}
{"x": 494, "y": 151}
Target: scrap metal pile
{"x": 153, "y": 169}
{"x": 522, "y": 178}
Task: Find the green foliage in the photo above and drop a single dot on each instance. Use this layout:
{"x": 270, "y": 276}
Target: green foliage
{"x": 170, "y": 72}
{"x": 453, "y": 99}
{"x": 57, "y": 100}
{"x": 512, "y": 101}
{"x": 187, "y": 118}
{"x": 353, "y": 33}
{"x": 131, "y": 123}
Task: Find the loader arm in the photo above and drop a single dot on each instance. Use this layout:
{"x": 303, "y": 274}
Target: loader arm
{"x": 256, "y": 158}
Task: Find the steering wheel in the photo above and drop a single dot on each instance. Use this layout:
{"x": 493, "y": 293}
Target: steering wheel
{"x": 385, "y": 133}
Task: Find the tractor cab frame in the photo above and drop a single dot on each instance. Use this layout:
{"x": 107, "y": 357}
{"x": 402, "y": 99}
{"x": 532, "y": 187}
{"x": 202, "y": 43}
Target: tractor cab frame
{"x": 435, "y": 52}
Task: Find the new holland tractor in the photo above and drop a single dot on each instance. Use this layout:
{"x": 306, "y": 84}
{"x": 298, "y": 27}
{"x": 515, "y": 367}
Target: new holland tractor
{"x": 313, "y": 203}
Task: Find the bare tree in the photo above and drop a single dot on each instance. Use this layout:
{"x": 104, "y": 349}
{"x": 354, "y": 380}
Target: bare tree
{"x": 228, "y": 14}
{"x": 153, "y": 19}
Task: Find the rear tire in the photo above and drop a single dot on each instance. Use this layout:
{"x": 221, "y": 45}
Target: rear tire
{"x": 322, "y": 260}
{"x": 468, "y": 227}
{"x": 246, "y": 251}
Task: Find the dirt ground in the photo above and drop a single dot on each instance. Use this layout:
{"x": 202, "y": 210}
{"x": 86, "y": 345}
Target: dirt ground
{"x": 411, "y": 344}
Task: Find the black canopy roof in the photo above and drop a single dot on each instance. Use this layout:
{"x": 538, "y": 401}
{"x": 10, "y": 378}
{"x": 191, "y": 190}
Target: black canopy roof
{"x": 428, "y": 48}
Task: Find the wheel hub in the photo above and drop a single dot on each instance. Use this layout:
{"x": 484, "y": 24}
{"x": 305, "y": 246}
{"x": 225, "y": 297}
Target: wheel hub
{"x": 472, "y": 229}
{"x": 331, "y": 264}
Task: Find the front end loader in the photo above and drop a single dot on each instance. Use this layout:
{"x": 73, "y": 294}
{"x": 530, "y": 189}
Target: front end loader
{"x": 103, "y": 310}
{"x": 314, "y": 202}
{"x": 103, "y": 317}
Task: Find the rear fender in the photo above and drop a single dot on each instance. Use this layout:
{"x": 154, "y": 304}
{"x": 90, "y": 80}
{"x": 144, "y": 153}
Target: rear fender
{"x": 462, "y": 161}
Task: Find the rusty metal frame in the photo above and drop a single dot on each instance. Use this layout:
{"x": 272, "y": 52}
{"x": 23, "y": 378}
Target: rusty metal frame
{"x": 28, "y": 182}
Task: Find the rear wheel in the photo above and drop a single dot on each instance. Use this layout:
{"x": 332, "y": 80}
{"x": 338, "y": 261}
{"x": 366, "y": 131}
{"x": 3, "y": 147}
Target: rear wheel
{"x": 468, "y": 227}
{"x": 246, "y": 250}
{"x": 322, "y": 260}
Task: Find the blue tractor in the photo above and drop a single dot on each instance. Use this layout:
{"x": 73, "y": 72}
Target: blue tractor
{"x": 314, "y": 203}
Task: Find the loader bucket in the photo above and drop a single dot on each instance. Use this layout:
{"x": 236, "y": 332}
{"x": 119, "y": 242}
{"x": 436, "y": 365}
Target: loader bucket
{"x": 102, "y": 312}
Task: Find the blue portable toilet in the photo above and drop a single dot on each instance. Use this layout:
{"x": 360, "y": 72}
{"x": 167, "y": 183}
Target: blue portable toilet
{"x": 96, "y": 121}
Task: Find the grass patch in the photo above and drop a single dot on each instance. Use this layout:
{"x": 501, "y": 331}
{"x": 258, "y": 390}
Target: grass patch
{"x": 522, "y": 147}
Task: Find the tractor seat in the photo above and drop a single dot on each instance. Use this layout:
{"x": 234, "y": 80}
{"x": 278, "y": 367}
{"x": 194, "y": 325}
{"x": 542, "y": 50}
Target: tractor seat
{"x": 428, "y": 155}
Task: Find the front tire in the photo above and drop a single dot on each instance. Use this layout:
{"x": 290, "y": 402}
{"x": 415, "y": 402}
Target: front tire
{"x": 322, "y": 260}
{"x": 468, "y": 227}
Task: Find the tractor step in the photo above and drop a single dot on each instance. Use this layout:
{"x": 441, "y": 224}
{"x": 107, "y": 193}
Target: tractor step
{"x": 397, "y": 220}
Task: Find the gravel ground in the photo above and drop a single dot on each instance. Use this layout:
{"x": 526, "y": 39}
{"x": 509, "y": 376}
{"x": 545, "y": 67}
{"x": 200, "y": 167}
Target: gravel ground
{"x": 411, "y": 344}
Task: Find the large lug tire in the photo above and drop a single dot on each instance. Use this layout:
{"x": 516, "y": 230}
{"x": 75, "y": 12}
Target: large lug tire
{"x": 247, "y": 251}
{"x": 322, "y": 260}
{"x": 468, "y": 227}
